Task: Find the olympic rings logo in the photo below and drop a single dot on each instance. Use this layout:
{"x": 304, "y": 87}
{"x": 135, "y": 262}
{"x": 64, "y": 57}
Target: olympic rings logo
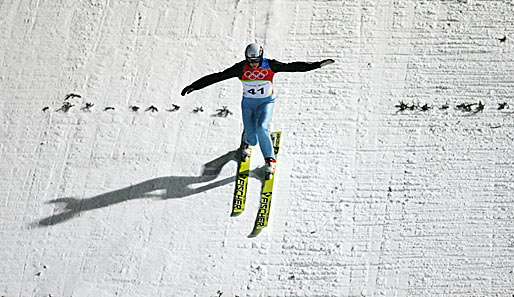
{"x": 256, "y": 74}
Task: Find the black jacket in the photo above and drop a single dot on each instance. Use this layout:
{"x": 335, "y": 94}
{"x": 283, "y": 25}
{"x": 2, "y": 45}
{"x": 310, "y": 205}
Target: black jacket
{"x": 237, "y": 71}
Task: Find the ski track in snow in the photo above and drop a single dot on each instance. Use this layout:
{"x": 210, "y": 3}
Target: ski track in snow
{"x": 369, "y": 200}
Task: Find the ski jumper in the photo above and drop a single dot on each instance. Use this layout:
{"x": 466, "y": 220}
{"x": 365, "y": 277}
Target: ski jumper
{"x": 258, "y": 95}
{"x": 257, "y": 106}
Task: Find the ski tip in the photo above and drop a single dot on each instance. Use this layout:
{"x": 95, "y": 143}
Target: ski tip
{"x": 254, "y": 233}
{"x": 236, "y": 214}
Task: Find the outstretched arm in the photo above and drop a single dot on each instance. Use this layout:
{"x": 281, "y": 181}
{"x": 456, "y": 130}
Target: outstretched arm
{"x": 210, "y": 79}
{"x": 277, "y": 66}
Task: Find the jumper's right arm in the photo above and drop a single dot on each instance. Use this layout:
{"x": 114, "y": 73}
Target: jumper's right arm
{"x": 213, "y": 78}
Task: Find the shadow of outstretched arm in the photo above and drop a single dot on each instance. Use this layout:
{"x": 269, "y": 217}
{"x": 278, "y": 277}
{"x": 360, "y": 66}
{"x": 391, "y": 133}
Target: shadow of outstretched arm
{"x": 172, "y": 187}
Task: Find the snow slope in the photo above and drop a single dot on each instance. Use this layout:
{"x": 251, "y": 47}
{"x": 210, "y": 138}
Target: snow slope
{"x": 370, "y": 200}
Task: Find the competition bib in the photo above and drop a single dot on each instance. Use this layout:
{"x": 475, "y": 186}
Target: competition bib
{"x": 258, "y": 82}
{"x": 257, "y": 89}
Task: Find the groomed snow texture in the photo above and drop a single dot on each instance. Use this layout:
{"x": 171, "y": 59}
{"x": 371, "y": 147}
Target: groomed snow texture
{"x": 112, "y": 184}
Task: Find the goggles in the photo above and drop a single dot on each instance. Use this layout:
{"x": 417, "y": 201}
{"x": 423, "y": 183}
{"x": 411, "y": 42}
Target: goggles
{"x": 253, "y": 60}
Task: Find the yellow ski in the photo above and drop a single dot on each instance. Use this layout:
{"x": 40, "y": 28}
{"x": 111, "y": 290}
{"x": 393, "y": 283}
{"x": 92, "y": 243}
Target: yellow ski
{"x": 243, "y": 172}
{"x": 266, "y": 193}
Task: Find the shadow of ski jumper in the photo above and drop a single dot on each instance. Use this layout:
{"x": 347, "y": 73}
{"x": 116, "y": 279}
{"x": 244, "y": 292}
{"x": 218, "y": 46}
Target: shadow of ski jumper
{"x": 172, "y": 187}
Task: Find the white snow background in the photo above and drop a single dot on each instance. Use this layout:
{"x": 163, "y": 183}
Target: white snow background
{"x": 370, "y": 200}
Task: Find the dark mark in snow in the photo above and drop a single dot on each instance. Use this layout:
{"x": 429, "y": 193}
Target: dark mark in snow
{"x": 46, "y": 108}
{"x": 402, "y": 106}
{"x": 467, "y": 107}
{"x": 198, "y": 109}
{"x": 174, "y": 108}
{"x": 87, "y": 107}
{"x": 65, "y": 107}
{"x": 152, "y": 109}
{"x": 223, "y": 112}
{"x": 425, "y": 107}
{"x": 480, "y": 107}
{"x": 503, "y": 105}
{"x": 72, "y": 95}
{"x": 134, "y": 108}
{"x": 109, "y": 108}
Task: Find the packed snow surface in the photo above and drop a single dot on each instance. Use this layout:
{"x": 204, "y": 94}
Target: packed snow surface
{"x": 395, "y": 177}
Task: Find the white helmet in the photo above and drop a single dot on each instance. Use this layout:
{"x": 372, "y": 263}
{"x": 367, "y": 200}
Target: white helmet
{"x": 254, "y": 53}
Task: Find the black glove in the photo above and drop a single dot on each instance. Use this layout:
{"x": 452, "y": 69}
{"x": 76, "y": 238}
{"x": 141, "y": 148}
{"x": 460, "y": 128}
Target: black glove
{"x": 326, "y": 62}
{"x": 187, "y": 90}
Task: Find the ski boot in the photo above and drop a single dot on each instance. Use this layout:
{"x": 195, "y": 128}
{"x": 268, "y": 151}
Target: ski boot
{"x": 246, "y": 152}
{"x": 269, "y": 168}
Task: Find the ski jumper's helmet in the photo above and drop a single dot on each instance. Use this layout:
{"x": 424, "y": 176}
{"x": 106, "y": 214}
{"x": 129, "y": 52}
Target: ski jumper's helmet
{"x": 254, "y": 53}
